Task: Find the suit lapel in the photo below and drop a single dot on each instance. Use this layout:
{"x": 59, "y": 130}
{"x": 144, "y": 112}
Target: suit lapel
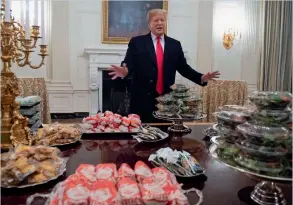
{"x": 166, "y": 50}
{"x": 150, "y": 48}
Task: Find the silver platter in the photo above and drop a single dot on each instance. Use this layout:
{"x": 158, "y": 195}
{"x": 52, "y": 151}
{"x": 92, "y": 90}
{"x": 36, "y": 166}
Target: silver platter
{"x": 60, "y": 173}
{"x": 213, "y": 152}
{"x": 69, "y": 143}
{"x": 33, "y": 199}
{"x": 149, "y": 141}
{"x": 209, "y": 129}
{"x": 105, "y": 133}
{"x": 178, "y": 175}
{"x": 179, "y": 118}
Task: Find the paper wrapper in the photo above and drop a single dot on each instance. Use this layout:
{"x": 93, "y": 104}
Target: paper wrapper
{"x": 142, "y": 171}
{"x": 129, "y": 192}
{"x": 106, "y": 172}
{"x": 126, "y": 171}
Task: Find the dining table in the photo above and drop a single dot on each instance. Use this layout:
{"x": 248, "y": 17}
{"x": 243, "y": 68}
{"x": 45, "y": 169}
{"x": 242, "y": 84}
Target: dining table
{"x": 220, "y": 185}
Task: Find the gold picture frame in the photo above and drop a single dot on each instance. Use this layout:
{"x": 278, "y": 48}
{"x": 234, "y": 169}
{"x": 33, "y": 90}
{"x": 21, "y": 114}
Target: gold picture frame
{"x": 106, "y": 33}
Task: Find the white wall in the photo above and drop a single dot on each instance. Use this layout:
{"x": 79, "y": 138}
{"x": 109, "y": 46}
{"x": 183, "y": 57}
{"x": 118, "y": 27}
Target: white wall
{"x": 76, "y": 25}
{"x": 242, "y": 60}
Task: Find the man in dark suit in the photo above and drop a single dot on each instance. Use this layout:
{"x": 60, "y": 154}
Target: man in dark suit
{"x": 153, "y": 60}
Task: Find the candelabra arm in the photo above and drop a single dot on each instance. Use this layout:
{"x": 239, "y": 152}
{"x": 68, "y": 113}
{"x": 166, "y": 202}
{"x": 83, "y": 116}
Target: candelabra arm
{"x": 21, "y": 62}
{"x": 40, "y": 65}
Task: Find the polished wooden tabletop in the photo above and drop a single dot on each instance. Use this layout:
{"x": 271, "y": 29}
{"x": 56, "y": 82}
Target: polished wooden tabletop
{"x": 220, "y": 185}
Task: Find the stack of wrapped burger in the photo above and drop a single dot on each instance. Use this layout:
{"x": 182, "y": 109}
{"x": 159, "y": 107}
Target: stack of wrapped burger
{"x": 30, "y": 107}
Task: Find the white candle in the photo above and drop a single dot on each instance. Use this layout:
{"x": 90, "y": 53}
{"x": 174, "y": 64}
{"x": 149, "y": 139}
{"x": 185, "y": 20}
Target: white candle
{"x": 43, "y": 21}
{"x": 21, "y": 13}
{"x": 36, "y": 11}
{"x": 7, "y": 10}
{"x": 27, "y": 20}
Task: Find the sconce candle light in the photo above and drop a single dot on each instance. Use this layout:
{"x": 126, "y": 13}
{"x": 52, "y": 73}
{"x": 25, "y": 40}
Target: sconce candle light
{"x": 229, "y": 36}
{"x": 229, "y": 22}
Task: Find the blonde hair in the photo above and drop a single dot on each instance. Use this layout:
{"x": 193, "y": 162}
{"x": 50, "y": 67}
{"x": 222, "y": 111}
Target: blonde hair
{"x": 154, "y": 12}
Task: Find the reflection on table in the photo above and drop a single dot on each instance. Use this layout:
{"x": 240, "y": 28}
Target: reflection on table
{"x": 220, "y": 184}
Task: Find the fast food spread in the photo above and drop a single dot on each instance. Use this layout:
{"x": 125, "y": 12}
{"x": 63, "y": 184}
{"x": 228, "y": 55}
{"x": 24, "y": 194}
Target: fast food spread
{"x": 258, "y": 140}
{"x": 109, "y": 122}
{"x": 30, "y": 165}
{"x": 103, "y": 184}
{"x": 57, "y": 134}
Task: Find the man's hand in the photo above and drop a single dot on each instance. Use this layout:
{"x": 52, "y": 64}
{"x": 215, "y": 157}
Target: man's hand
{"x": 118, "y": 71}
{"x": 210, "y": 76}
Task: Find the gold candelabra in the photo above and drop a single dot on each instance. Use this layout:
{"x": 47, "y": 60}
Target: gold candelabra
{"x": 15, "y": 48}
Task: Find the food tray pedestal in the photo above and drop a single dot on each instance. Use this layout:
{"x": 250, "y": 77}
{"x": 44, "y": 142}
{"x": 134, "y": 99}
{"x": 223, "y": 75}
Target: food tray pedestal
{"x": 177, "y": 130}
{"x": 265, "y": 192}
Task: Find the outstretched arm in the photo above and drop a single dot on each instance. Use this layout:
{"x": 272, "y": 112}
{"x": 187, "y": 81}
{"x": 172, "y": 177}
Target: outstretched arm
{"x": 128, "y": 59}
{"x": 186, "y": 71}
{"x": 126, "y": 66}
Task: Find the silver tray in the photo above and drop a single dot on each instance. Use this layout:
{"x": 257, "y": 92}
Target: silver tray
{"x": 48, "y": 197}
{"x": 179, "y": 118}
{"x": 69, "y": 143}
{"x": 176, "y": 174}
{"x": 61, "y": 172}
{"x": 149, "y": 141}
{"x": 136, "y": 137}
{"x": 213, "y": 152}
{"x": 105, "y": 133}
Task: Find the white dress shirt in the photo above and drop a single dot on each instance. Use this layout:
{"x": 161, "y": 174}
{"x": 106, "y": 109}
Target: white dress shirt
{"x": 154, "y": 37}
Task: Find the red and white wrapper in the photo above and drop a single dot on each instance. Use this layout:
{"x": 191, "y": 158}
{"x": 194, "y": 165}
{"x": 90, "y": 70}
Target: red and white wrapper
{"x": 168, "y": 182}
{"x": 108, "y": 113}
{"x": 106, "y": 172}
{"x": 76, "y": 193}
{"x": 117, "y": 118}
{"x": 175, "y": 194}
{"x": 129, "y": 192}
{"x": 123, "y": 128}
{"x": 153, "y": 193}
{"x": 74, "y": 178}
{"x": 114, "y": 125}
{"x": 125, "y": 121}
{"x": 90, "y": 120}
{"x": 97, "y": 130}
{"x": 162, "y": 176}
{"x": 101, "y": 127}
{"x": 133, "y": 129}
{"x": 142, "y": 171}
{"x": 104, "y": 121}
{"x": 104, "y": 192}
{"x": 126, "y": 171}
{"x": 108, "y": 129}
{"x": 133, "y": 116}
{"x": 86, "y": 172}
{"x": 117, "y": 130}
{"x": 135, "y": 122}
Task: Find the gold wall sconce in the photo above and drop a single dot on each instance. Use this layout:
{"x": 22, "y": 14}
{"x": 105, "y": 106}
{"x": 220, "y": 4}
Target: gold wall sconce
{"x": 229, "y": 36}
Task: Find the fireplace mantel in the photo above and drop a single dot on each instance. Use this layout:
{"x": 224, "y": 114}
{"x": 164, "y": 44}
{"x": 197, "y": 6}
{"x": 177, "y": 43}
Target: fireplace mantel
{"x": 99, "y": 59}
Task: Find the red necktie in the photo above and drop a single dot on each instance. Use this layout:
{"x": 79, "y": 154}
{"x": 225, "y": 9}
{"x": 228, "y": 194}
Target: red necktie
{"x": 160, "y": 59}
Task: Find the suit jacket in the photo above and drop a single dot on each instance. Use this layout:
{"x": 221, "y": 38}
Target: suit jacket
{"x": 142, "y": 65}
